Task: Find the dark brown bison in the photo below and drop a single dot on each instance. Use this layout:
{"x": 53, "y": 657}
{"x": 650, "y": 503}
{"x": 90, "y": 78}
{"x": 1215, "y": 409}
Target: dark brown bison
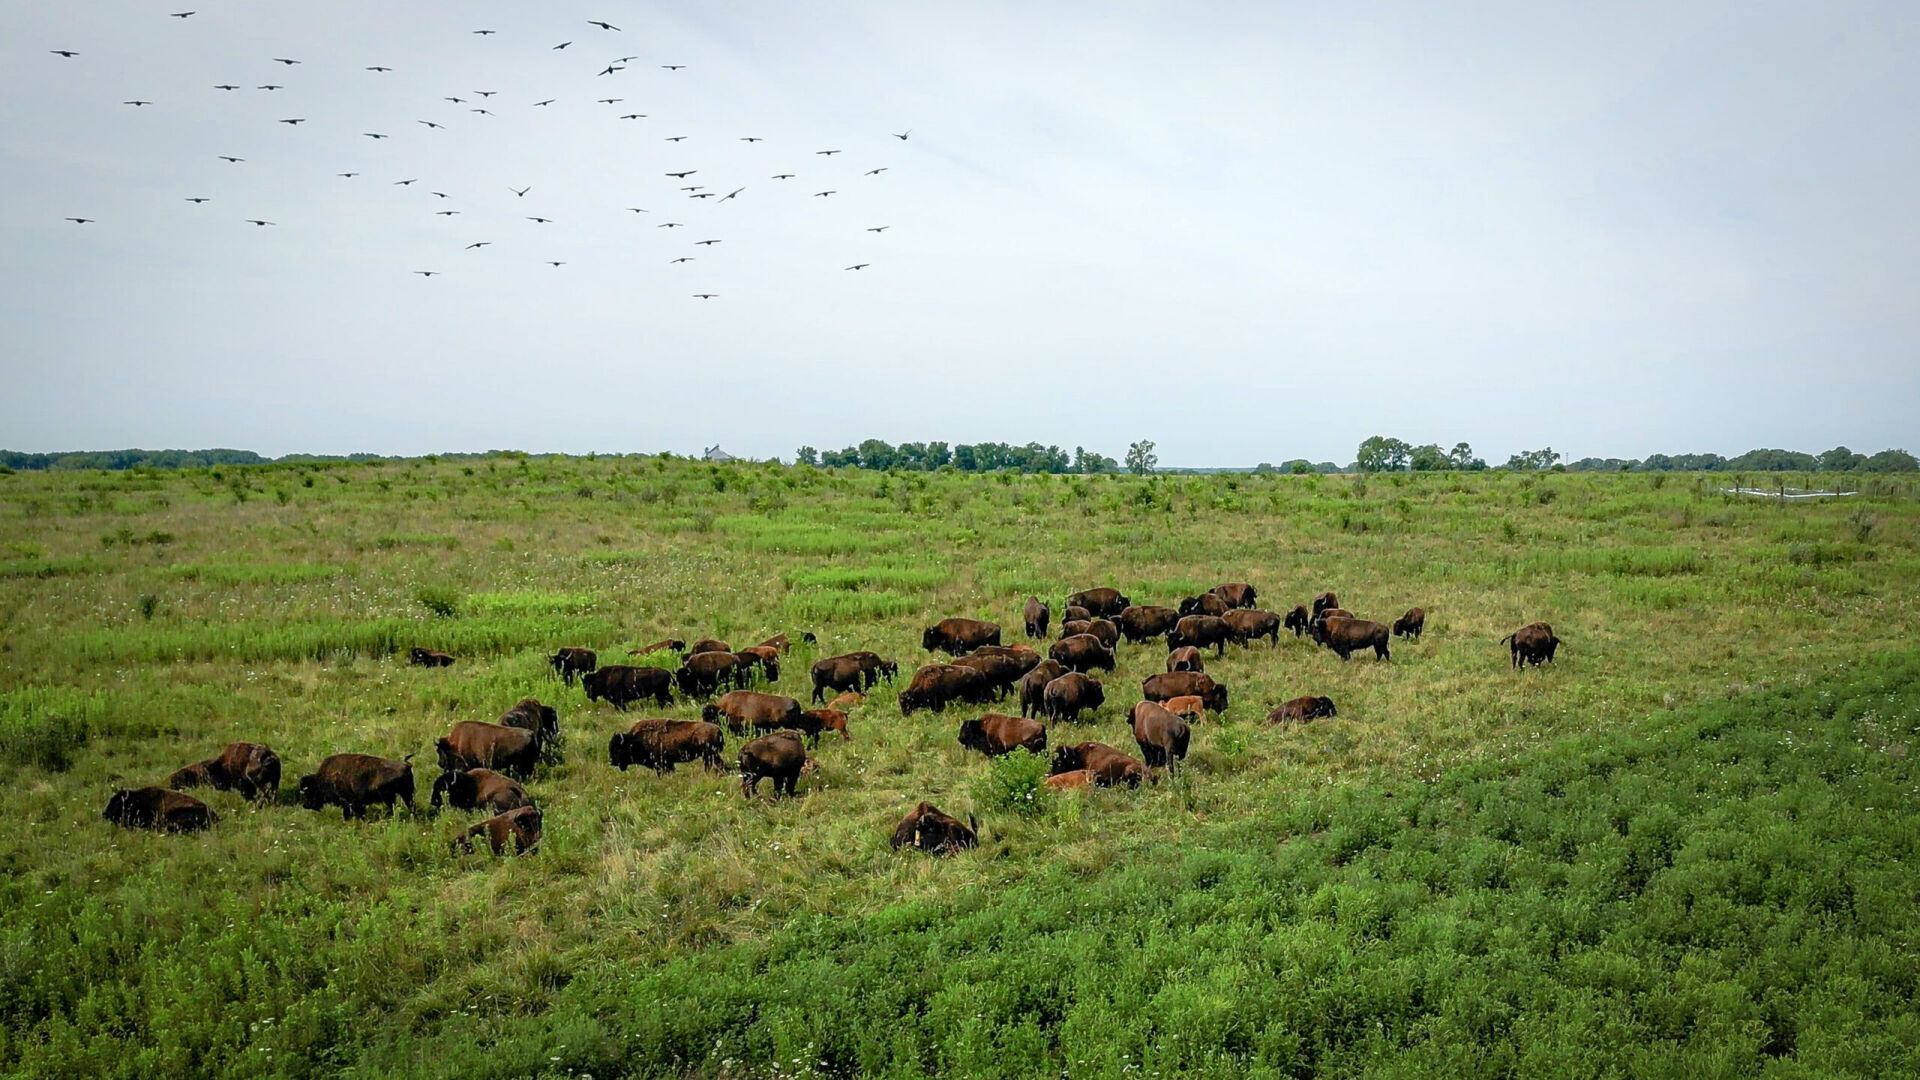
{"x": 1175, "y": 684}
{"x": 1302, "y": 709}
{"x": 935, "y": 685}
{"x": 158, "y": 808}
{"x": 1317, "y": 626}
{"x": 1105, "y": 629}
{"x": 995, "y": 734}
{"x": 778, "y": 641}
{"x": 429, "y": 658}
{"x": 249, "y": 768}
{"x": 779, "y": 756}
{"x": 1138, "y": 623}
{"x": 1002, "y": 672}
{"x": 1324, "y": 601}
{"x": 876, "y": 669}
{"x": 1411, "y": 624}
{"x": 522, "y": 826}
{"x": 701, "y": 674}
{"x": 1246, "y": 624}
{"x": 815, "y": 721}
{"x": 1033, "y": 686}
{"x": 475, "y": 744}
{"x": 764, "y": 657}
{"x": 1082, "y": 652}
{"x": 672, "y": 644}
{"x": 746, "y": 710}
{"x": 935, "y": 833}
{"x": 1297, "y": 619}
{"x": 354, "y": 782}
{"x": 1037, "y": 615}
{"x": 959, "y": 636}
{"x": 1204, "y": 604}
{"x": 1200, "y": 631}
{"x": 661, "y": 744}
{"x": 1066, "y": 696}
{"x": 838, "y": 673}
{"x": 1237, "y": 594}
{"x": 478, "y": 789}
{"x": 1533, "y": 644}
{"x": 1105, "y": 765}
{"x": 570, "y": 662}
{"x": 1101, "y": 602}
{"x": 709, "y": 645}
{"x": 1026, "y": 654}
{"x": 528, "y": 714}
{"x": 1185, "y": 658}
{"x": 1075, "y": 613}
{"x": 1346, "y": 636}
{"x": 621, "y": 685}
{"x": 1162, "y": 735}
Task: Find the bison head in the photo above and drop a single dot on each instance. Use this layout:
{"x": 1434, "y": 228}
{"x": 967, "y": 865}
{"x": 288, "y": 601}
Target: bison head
{"x": 1097, "y": 695}
{"x": 972, "y": 735}
{"x": 932, "y": 639}
{"x": 710, "y": 713}
{"x": 1216, "y": 698}
{"x": 313, "y": 792}
{"x": 1067, "y": 759}
{"x": 119, "y": 807}
{"x": 455, "y": 784}
{"x": 444, "y": 748}
{"x": 1323, "y": 706}
{"x": 620, "y": 751}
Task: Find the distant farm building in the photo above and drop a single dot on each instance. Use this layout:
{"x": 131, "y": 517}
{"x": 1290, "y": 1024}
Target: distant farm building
{"x": 714, "y": 453}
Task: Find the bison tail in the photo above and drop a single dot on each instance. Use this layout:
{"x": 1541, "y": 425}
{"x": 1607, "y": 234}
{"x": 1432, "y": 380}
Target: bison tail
{"x": 1507, "y": 640}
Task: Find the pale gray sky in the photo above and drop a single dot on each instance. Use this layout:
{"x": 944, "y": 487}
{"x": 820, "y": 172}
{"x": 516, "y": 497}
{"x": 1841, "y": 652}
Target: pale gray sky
{"x": 1246, "y": 231}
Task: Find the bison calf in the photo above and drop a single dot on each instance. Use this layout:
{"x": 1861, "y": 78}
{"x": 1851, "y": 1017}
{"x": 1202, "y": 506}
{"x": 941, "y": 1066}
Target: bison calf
{"x": 159, "y": 809}
{"x": 1302, "y": 709}
{"x": 1411, "y": 624}
{"x": 522, "y": 826}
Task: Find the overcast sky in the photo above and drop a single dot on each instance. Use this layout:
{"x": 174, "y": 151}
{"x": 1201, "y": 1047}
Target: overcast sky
{"x": 1250, "y": 232}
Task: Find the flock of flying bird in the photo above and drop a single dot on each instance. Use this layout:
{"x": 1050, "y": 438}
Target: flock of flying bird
{"x": 695, "y": 192}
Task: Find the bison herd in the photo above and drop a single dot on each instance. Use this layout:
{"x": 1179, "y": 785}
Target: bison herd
{"x": 483, "y": 766}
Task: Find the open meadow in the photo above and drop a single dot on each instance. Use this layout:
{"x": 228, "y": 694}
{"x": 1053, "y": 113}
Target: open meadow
{"x": 1685, "y": 847}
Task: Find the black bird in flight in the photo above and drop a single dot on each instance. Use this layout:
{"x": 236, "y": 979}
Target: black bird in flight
{"x": 783, "y": 176}
{"x": 284, "y": 60}
{"x": 602, "y": 25}
{"x": 296, "y": 120}
{"x": 537, "y": 104}
{"x": 68, "y": 53}
{"x": 611, "y": 68}
{"x": 379, "y": 68}
{"x": 694, "y": 187}
{"x": 481, "y": 244}
{"x": 625, "y": 59}
{"x": 732, "y": 193}
{"x": 179, "y": 14}
{"x": 136, "y": 103}
{"x": 821, "y": 194}
{"x": 859, "y": 266}
{"x": 750, "y": 138}
{"x": 404, "y": 183}
{"x": 373, "y": 135}
{"x": 828, "y": 153}
{"x": 270, "y": 86}
{"x": 427, "y": 273}
{"x": 683, "y": 175}
{"x": 196, "y": 199}
{"x": 610, "y": 100}
{"x": 705, "y": 295}
{"x": 876, "y": 172}
{"x": 441, "y": 194}
{"x": 880, "y": 228}
{"x": 521, "y": 192}
{"x": 681, "y": 259}
{"x": 257, "y": 221}
{"x": 541, "y": 220}
{"x": 673, "y": 67}
{"x": 482, "y": 112}
{"x": 225, "y": 86}
{"x": 668, "y": 225}
{"x": 562, "y": 45}
{"x": 456, "y": 100}
{"x": 708, "y": 243}
{"x": 348, "y": 175}
{"x": 701, "y": 195}
{"x": 634, "y": 116}
{"x": 486, "y": 93}
{"x": 445, "y": 213}
{"x": 676, "y": 138}
{"x": 550, "y": 262}
{"x": 232, "y": 160}
{"x": 637, "y": 210}
{"x": 431, "y": 124}
{"x": 901, "y": 135}
{"x": 82, "y": 220}
{"x": 485, "y": 32}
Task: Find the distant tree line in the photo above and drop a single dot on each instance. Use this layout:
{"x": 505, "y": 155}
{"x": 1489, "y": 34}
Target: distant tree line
{"x": 966, "y": 457}
{"x": 1383, "y": 454}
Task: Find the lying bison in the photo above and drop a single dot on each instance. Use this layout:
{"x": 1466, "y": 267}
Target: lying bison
{"x": 1411, "y": 624}
{"x": 935, "y": 833}
{"x": 1162, "y": 736}
{"x": 1066, "y": 696}
{"x": 160, "y": 809}
{"x": 475, "y": 744}
{"x": 1182, "y": 683}
{"x": 621, "y": 685}
{"x": 779, "y": 757}
{"x": 1082, "y": 652}
{"x": 1103, "y": 764}
{"x": 1185, "y": 658}
{"x": 521, "y": 826}
{"x": 1200, "y": 631}
{"x": 959, "y": 636}
{"x": 1347, "y": 636}
{"x": 1533, "y": 644}
{"x": 249, "y": 768}
{"x": 1037, "y": 615}
{"x": 429, "y": 658}
{"x": 1237, "y": 594}
{"x": 1072, "y": 780}
{"x": 354, "y": 782}
{"x": 1302, "y": 709}
{"x": 1246, "y": 624}
{"x": 661, "y": 744}
{"x": 749, "y": 710}
{"x": 1102, "y": 602}
{"x": 570, "y": 662}
{"x": 478, "y": 789}
{"x": 1138, "y": 624}
{"x": 936, "y": 685}
{"x": 995, "y": 734}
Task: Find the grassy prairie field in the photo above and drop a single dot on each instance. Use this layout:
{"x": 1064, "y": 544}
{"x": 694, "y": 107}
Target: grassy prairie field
{"x": 1438, "y": 881}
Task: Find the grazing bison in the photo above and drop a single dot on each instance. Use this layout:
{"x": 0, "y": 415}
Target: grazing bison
{"x": 1105, "y": 765}
{"x": 1246, "y": 624}
{"x": 959, "y": 636}
{"x": 1067, "y": 695}
{"x": 661, "y": 744}
{"x": 522, "y": 826}
{"x": 838, "y": 673}
{"x": 478, "y": 789}
{"x": 848, "y": 701}
{"x": 249, "y": 768}
{"x": 874, "y": 668}
{"x": 1162, "y": 735}
{"x": 429, "y": 658}
{"x": 1237, "y": 594}
{"x": 1204, "y": 604}
{"x": 1002, "y": 672}
{"x": 672, "y": 644}
{"x": 709, "y": 645}
{"x": 1033, "y": 686}
{"x": 528, "y": 714}
{"x": 1138, "y": 623}
{"x": 1325, "y": 601}
{"x": 475, "y": 744}
{"x": 1297, "y": 619}
{"x": 1200, "y": 631}
{"x": 354, "y": 782}
{"x": 779, "y": 641}
{"x": 935, "y": 685}
{"x": 569, "y": 662}
{"x": 621, "y": 685}
{"x": 158, "y": 808}
{"x": 1075, "y": 613}
{"x": 1187, "y": 707}
{"x": 1037, "y": 615}
{"x": 815, "y": 721}
{"x": 1317, "y": 627}
{"x": 1346, "y": 636}
{"x": 1182, "y": 683}
{"x": 1185, "y": 658}
{"x": 764, "y": 657}
{"x": 995, "y": 734}
{"x": 779, "y": 756}
{"x": 1411, "y": 624}
{"x": 1069, "y": 781}
{"x": 1105, "y": 629}
{"x": 1027, "y": 656}
{"x": 1102, "y": 602}
{"x": 935, "y": 833}
{"x": 748, "y": 709}
{"x": 1082, "y": 652}
{"x": 701, "y": 674}
{"x": 1533, "y": 644}
{"x": 1302, "y": 709}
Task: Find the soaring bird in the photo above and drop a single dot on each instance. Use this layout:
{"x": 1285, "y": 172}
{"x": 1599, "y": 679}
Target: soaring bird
{"x": 673, "y": 67}
{"x": 683, "y": 175}
{"x": 404, "y": 183}
{"x": 82, "y": 220}
{"x": 348, "y": 175}
{"x": 681, "y": 259}
{"x": 483, "y": 33}
{"x": 257, "y": 221}
{"x": 296, "y": 120}
{"x": 232, "y": 160}
{"x": 821, "y": 194}
{"x": 705, "y": 295}
{"x": 179, "y": 14}
{"x": 750, "y": 138}
{"x": 377, "y": 67}
{"x": 486, "y": 93}
{"x": 668, "y": 225}
{"x": 901, "y": 135}
{"x": 676, "y": 138}
{"x": 196, "y": 199}
{"x": 284, "y": 60}
{"x": 634, "y": 116}
{"x": 456, "y": 100}
{"x": 482, "y": 112}
{"x": 602, "y": 25}
{"x": 611, "y": 68}
{"x": 701, "y": 195}
{"x": 136, "y": 103}
{"x": 880, "y": 228}
{"x": 481, "y": 244}
{"x": 859, "y": 266}
{"x": 521, "y": 192}
{"x": 694, "y": 187}
{"x": 270, "y": 86}
{"x": 439, "y": 194}
{"x": 563, "y": 45}
{"x": 373, "y": 135}
{"x": 707, "y": 243}
{"x": 783, "y": 176}
{"x": 541, "y": 220}
{"x": 225, "y": 86}
{"x": 610, "y": 100}
{"x": 431, "y": 124}
{"x": 550, "y": 262}
{"x": 427, "y": 273}
{"x": 732, "y": 193}
{"x": 877, "y": 172}
{"x": 68, "y": 53}
{"x": 637, "y": 210}
{"x": 537, "y": 104}
{"x": 445, "y": 213}
{"x": 828, "y": 153}
{"x": 624, "y": 59}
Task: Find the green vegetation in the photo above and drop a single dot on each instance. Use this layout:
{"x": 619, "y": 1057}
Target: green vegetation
{"x": 1683, "y": 849}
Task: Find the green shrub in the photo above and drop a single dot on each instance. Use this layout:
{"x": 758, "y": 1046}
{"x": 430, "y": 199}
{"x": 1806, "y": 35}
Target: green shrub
{"x": 1015, "y": 783}
{"x": 439, "y": 599}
